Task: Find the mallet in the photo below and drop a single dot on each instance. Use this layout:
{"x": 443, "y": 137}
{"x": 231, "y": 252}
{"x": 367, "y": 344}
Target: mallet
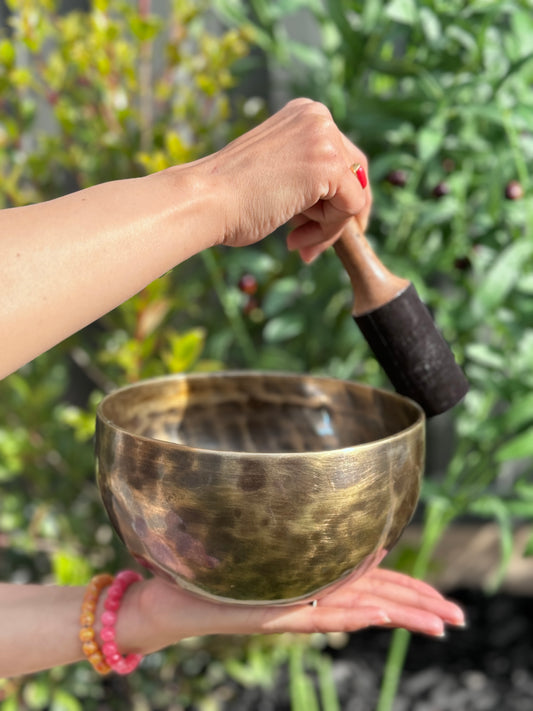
{"x": 399, "y": 328}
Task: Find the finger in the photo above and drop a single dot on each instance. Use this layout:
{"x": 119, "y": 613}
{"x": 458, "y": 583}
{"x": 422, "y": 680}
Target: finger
{"x": 386, "y": 574}
{"x": 360, "y": 158}
{"x": 313, "y": 234}
{"x": 414, "y": 620}
{"x": 310, "y": 253}
{"x": 408, "y": 598}
{"x": 400, "y": 588}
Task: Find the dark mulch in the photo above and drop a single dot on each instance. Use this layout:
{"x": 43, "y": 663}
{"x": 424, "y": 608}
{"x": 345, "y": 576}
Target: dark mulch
{"x": 486, "y": 667}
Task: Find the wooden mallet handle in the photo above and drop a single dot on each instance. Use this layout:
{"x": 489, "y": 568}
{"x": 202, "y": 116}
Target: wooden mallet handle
{"x": 372, "y": 283}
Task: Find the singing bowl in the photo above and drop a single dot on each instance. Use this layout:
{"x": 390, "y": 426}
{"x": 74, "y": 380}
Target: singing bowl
{"x": 258, "y": 488}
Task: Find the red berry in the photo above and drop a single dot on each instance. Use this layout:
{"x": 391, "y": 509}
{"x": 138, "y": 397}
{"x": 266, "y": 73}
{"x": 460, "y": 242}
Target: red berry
{"x": 440, "y": 190}
{"x": 248, "y": 284}
{"x": 514, "y": 190}
{"x": 398, "y": 178}
{"x": 463, "y": 264}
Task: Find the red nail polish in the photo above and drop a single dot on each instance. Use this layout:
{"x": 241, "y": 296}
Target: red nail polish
{"x": 360, "y": 174}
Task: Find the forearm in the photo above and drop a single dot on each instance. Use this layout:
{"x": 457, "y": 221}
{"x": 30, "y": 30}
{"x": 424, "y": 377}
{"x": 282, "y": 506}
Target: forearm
{"x": 68, "y": 261}
{"x": 38, "y": 627}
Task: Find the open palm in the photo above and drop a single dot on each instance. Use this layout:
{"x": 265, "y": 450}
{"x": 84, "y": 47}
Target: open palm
{"x": 380, "y": 597}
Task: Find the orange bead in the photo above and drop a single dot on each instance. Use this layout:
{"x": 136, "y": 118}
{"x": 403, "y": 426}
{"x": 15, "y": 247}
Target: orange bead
{"x": 87, "y": 618}
{"x": 96, "y": 658}
{"x": 86, "y": 634}
{"x": 102, "y": 668}
{"x": 89, "y": 647}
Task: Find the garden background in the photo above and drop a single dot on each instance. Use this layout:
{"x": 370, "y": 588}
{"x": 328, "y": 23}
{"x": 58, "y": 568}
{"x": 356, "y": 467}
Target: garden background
{"x": 438, "y": 93}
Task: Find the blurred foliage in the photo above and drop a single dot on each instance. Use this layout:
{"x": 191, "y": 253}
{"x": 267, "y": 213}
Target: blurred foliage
{"x": 439, "y": 96}
{"x": 438, "y": 93}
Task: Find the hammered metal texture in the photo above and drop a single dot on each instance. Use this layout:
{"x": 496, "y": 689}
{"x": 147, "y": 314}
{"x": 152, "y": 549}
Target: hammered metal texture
{"x": 258, "y": 487}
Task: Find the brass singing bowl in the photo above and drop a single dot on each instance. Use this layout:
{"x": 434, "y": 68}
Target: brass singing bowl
{"x": 258, "y": 488}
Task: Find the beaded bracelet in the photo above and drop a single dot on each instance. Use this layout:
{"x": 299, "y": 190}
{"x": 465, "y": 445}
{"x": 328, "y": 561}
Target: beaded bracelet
{"x": 87, "y": 635}
{"x": 113, "y": 658}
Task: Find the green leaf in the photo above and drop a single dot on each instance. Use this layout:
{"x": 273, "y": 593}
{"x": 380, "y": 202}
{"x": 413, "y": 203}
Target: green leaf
{"x": 233, "y": 10}
{"x": 431, "y": 137}
{"x": 283, "y": 328}
{"x": 70, "y": 568}
{"x": 184, "y": 350}
{"x": 430, "y": 25}
{"x": 371, "y": 15}
{"x": 63, "y": 701}
{"x": 524, "y": 489}
{"x": 402, "y": 11}
{"x": 312, "y": 57}
{"x": 37, "y": 694}
{"x": 518, "y": 447}
{"x": 518, "y": 414}
{"x": 462, "y": 37}
{"x": 145, "y": 29}
{"x": 525, "y": 284}
{"x": 10, "y": 704}
{"x": 280, "y": 296}
{"x": 502, "y": 276}
{"x": 7, "y": 53}
{"x": 485, "y": 355}
{"x": 14, "y": 445}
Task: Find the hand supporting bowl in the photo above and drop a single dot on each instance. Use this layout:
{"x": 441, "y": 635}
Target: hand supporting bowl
{"x": 258, "y": 488}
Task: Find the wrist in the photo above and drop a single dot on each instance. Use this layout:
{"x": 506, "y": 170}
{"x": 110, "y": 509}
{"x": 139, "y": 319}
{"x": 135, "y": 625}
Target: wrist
{"x": 136, "y": 629}
{"x": 198, "y": 201}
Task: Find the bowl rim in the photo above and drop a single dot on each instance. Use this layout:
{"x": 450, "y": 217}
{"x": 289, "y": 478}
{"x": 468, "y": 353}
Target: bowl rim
{"x": 419, "y": 421}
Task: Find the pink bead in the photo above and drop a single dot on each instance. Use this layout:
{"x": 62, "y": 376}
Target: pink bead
{"x": 120, "y": 667}
{"x": 127, "y": 577}
{"x": 108, "y": 618}
{"x": 115, "y": 592}
{"x": 107, "y": 634}
{"x": 132, "y": 662}
{"x": 109, "y": 648}
{"x": 112, "y": 604}
{"x": 113, "y": 659}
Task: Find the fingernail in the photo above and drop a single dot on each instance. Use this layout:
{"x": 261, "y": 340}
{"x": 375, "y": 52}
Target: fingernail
{"x": 458, "y": 618}
{"x": 359, "y": 172}
{"x": 309, "y": 260}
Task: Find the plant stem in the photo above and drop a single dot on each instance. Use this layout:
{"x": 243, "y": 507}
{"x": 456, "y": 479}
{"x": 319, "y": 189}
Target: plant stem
{"x": 328, "y": 691}
{"x": 436, "y": 520}
{"x": 231, "y": 311}
{"x": 393, "y": 669}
